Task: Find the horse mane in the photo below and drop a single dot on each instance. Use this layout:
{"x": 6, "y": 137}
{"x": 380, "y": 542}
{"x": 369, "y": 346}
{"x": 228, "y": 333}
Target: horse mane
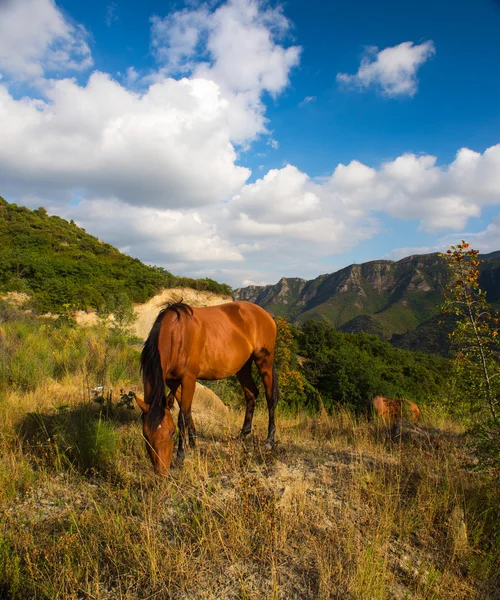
{"x": 176, "y": 307}
{"x": 151, "y": 364}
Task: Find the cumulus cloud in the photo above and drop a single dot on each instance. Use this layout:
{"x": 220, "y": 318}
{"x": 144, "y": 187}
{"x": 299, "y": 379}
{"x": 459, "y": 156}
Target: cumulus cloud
{"x": 237, "y": 46}
{"x": 414, "y": 187}
{"x": 485, "y": 241}
{"x": 393, "y": 70}
{"x": 287, "y": 214}
{"x": 168, "y": 147}
{"x": 157, "y": 235}
{"x": 151, "y": 166}
{"x": 282, "y": 195}
{"x": 36, "y": 39}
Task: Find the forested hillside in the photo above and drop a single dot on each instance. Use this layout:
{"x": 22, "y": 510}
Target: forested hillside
{"x": 57, "y": 263}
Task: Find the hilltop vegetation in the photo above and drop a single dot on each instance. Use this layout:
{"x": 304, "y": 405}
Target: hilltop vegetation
{"x": 57, "y": 263}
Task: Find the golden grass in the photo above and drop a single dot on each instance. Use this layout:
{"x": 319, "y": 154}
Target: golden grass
{"x": 335, "y": 511}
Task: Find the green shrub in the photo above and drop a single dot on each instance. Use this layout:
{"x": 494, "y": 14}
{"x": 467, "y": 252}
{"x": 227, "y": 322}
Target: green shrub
{"x": 87, "y": 440}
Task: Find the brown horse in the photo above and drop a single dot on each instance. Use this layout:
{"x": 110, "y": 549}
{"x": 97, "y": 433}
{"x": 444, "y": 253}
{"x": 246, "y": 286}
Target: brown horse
{"x": 393, "y": 410}
{"x": 186, "y": 344}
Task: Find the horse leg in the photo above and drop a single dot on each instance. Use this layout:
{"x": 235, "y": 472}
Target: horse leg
{"x": 192, "y": 432}
{"x": 251, "y": 392}
{"x": 175, "y": 393}
{"x": 188, "y": 386}
{"x": 265, "y": 365}
{"x": 173, "y": 386}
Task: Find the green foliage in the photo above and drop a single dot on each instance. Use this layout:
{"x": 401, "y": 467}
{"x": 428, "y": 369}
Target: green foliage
{"x": 202, "y": 285}
{"x": 295, "y": 391}
{"x": 352, "y": 368}
{"x": 57, "y": 264}
{"x": 476, "y": 348}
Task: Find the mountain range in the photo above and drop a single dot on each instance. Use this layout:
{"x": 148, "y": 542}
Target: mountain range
{"x": 395, "y": 300}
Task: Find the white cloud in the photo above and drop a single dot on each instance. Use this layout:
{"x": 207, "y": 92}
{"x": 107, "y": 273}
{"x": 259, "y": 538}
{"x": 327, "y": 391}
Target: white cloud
{"x": 282, "y": 195}
{"x": 393, "y": 70}
{"x": 154, "y": 168}
{"x": 36, "y": 39}
{"x": 414, "y": 187}
{"x": 307, "y": 100}
{"x": 487, "y": 240}
{"x": 111, "y": 15}
{"x": 286, "y": 215}
{"x": 168, "y": 147}
{"x": 155, "y": 235}
{"x": 237, "y": 47}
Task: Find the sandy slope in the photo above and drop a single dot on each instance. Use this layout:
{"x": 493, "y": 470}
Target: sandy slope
{"x": 146, "y": 313}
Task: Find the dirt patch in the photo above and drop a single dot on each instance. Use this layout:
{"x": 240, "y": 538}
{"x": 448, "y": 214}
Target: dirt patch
{"x": 15, "y": 298}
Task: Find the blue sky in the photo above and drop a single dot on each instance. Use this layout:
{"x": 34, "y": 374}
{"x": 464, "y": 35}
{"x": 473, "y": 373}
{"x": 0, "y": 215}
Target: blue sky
{"x": 246, "y": 140}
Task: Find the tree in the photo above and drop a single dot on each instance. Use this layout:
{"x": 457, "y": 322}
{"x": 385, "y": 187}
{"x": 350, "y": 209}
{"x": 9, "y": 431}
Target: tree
{"x": 292, "y": 384}
{"x": 475, "y": 343}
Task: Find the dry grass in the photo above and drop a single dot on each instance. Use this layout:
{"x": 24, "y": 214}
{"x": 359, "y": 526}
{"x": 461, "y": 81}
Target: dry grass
{"x": 335, "y": 511}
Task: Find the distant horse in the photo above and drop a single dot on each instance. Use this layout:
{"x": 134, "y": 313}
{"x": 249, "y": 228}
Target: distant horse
{"x": 393, "y": 410}
{"x": 186, "y": 344}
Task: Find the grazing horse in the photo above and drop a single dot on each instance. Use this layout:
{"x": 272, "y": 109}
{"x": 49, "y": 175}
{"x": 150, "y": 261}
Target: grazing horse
{"x": 186, "y": 344}
{"x": 393, "y": 410}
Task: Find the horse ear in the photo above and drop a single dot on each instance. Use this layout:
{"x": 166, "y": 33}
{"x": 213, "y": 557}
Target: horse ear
{"x": 144, "y": 406}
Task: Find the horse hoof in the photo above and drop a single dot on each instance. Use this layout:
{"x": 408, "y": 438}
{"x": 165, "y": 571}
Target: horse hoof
{"x": 269, "y": 444}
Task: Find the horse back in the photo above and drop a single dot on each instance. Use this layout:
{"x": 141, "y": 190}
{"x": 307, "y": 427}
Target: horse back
{"x": 215, "y": 341}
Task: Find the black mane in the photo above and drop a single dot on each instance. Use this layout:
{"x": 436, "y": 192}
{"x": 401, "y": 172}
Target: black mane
{"x": 176, "y": 307}
{"x": 151, "y": 364}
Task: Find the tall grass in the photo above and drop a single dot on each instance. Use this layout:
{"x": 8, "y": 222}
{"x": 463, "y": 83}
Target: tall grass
{"x": 337, "y": 510}
{"x": 32, "y": 352}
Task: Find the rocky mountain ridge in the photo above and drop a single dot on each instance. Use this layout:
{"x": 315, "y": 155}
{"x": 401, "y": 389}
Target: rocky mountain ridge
{"x": 384, "y": 297}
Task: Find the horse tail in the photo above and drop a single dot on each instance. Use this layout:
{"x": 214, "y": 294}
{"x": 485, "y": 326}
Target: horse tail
{"x": 275, "y": 390}
{"x": 152, "y": 373}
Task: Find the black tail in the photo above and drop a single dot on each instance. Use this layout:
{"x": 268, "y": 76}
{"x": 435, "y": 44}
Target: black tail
{"x": 275, "y": 390}
{"x": 153, "y": 374}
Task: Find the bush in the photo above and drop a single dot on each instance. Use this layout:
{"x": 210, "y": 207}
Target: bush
{"x": 38, "y": 350}
{"x": 86, "y": 439}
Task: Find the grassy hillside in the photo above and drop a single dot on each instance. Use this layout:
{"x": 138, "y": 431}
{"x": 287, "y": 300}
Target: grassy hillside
{"x": 57, "y": 263}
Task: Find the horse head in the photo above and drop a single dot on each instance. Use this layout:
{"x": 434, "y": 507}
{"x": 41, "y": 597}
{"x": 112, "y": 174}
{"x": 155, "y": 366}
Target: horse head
{"x": 159, "y": 438}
